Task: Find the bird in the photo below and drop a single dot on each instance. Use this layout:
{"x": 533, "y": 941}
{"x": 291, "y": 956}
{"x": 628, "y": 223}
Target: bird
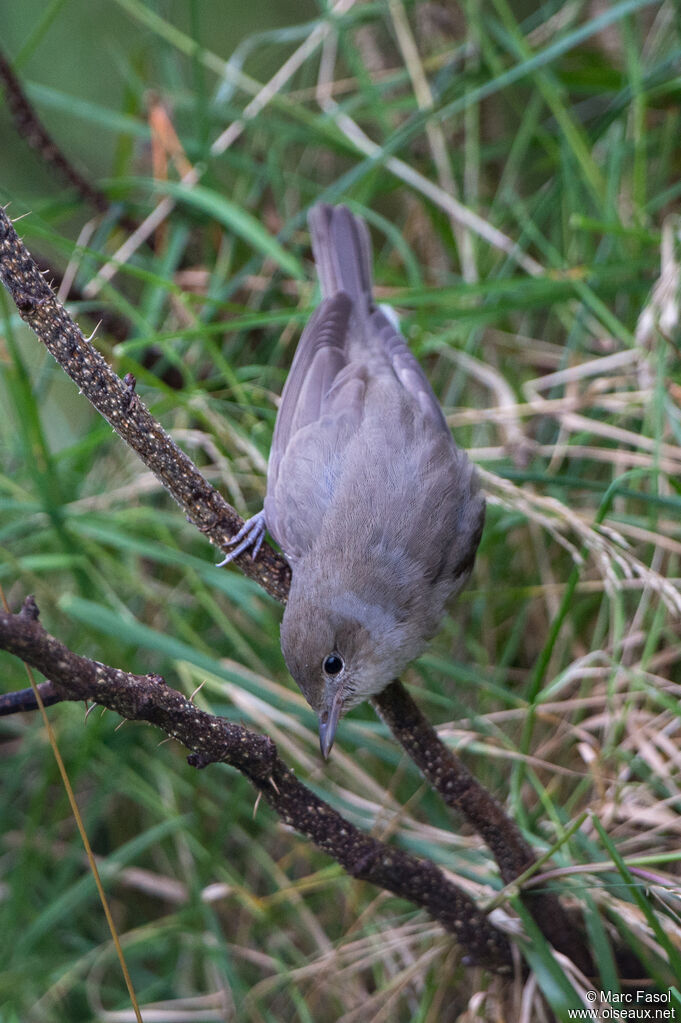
{"x": 377, "y": 510}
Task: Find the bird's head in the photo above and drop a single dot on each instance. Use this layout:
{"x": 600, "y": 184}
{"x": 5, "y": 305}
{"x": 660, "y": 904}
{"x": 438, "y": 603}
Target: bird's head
{"x": 340, "y": 651}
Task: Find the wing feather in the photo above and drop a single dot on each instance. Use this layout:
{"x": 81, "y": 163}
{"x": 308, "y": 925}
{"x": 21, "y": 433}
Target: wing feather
{"x": 406, "y": 368}
{"x": 319, "y": 357}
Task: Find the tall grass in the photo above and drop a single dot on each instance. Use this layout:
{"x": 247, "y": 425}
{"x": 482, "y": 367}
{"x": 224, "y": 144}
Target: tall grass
{"x": 520, "y": 173}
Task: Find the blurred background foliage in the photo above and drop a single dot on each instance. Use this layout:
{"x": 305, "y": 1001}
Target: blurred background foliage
{"x": 519, "y": 166}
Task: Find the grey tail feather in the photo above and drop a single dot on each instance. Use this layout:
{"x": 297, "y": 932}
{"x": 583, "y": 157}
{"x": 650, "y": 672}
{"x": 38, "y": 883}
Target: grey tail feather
{"x": 342, "y": 253}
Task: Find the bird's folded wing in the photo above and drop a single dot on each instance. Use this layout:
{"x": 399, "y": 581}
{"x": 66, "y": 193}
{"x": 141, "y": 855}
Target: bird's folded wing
{"x": 319, "y": 357}
{"x": 406, "y": 367}
{"x": 321, "y": 407}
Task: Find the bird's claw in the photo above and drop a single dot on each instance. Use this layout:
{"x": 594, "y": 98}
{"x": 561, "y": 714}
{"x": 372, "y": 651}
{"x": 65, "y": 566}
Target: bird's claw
{"x": 251, "y": 534}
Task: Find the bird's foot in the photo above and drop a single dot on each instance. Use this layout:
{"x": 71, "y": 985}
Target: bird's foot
{"x": 251, "y": 534}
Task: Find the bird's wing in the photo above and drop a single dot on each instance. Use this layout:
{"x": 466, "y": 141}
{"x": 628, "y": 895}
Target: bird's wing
{"x": 321, "y": 407}
{"x": 389, "y": 341}
{"x": 319, "y": 357}
{"x": 444, "y": 503}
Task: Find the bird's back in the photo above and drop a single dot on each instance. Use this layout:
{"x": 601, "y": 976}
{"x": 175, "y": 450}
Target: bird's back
{"x": 362, "y": 459}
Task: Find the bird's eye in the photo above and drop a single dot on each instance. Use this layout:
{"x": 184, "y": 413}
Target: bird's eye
{"x": 333, "y": 664}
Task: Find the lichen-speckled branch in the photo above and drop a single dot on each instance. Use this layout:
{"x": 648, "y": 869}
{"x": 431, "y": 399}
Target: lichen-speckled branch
{"x": 214, "y": 739}
{"x": 115, "y": 399}
{"x": 464, "y": 793}
{"x": 31, "y": 129}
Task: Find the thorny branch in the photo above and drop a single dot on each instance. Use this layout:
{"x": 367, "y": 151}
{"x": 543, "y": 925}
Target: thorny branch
{"x": 117, "y": 402}
{"x": 31, "y": 129}
{"x": 214, "y": 739}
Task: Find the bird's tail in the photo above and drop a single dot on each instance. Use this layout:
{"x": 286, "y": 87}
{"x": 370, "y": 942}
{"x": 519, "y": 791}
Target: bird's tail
{"x": 342, "y": 253}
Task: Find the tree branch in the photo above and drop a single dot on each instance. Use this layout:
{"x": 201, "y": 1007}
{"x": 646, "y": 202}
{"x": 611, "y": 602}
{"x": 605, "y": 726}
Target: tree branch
{"x": 25, "y": 699}
{"x": 464, "y": 793}
{"x": 217, "y": 740}
{"x": 117, "y": 402}
{"x": 30, "y": 127}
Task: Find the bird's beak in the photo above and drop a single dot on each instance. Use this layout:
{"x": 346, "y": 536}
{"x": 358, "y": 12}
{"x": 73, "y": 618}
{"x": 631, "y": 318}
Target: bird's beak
{"x": 328, "y": 722}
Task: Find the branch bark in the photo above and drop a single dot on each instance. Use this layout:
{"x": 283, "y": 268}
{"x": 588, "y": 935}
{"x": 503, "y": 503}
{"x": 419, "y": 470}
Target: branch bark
{"x": 116, "y": 401}
{"x": 30, "y": 128}
{"x": 464, "y": 793}
{"x": 217, "y": 740}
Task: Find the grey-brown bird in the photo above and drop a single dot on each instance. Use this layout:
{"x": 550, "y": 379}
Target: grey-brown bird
{"x": 376, "y": 509}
